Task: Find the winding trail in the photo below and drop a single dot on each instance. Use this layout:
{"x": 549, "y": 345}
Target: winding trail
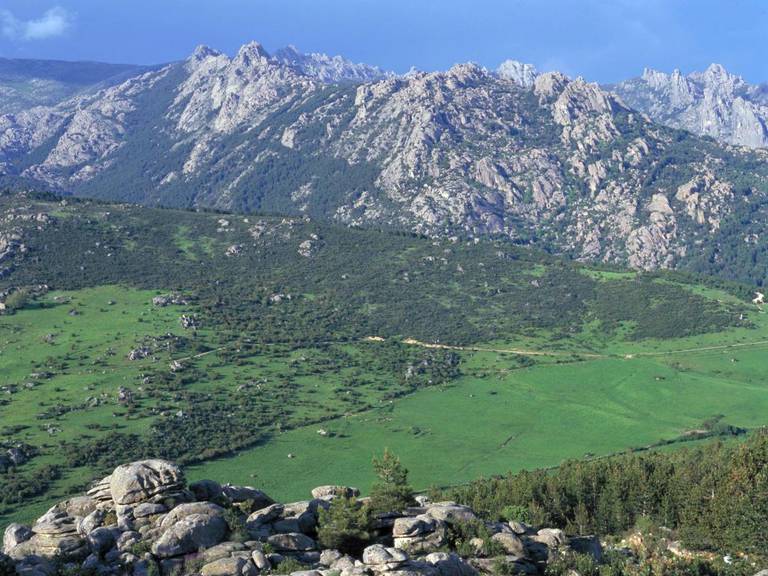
{"x": 524, "y": 351}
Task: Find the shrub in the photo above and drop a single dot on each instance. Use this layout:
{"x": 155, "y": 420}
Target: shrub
{"x": 517, "y": 513}
{"x": 343, "y": 526}
{"x": 236, "y": 521}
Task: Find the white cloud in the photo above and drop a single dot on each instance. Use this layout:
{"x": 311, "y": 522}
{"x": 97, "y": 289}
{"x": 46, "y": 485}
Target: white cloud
{"x": 52, "y": 23}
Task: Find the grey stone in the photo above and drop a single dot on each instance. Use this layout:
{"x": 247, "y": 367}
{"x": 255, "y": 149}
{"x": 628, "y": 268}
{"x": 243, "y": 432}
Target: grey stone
{"x": 15, "y": 534}
{"x": 330, "y": 492}
{"x": 230, "y": 567}
{"x": 140, "y": 481}
{"x": 190, "y": 534}
{"x": 291, "y": 542}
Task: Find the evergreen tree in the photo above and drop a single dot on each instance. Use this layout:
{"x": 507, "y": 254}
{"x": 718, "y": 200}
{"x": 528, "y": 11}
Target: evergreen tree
{"x": 391, "y": 492}
{"x": 343, "y": 526}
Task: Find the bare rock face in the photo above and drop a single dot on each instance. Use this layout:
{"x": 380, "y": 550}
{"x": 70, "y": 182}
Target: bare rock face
{"x": 141, "y": 481}
{"x": 522, "y": 74}
{"x": 711, "y": 103}
{"x": 533, "y": 157}
{"x": 330, "y": 69}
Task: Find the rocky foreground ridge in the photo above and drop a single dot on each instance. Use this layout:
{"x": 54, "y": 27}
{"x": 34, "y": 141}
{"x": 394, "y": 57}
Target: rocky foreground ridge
{"x": 145, "y": 519}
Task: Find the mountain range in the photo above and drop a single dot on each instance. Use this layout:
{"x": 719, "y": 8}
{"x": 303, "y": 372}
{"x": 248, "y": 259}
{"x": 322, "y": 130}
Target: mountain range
{"x": 662, "y": 171}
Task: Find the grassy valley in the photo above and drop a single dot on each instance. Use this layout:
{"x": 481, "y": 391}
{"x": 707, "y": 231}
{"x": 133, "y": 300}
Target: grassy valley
{"x": 282, "y": 352}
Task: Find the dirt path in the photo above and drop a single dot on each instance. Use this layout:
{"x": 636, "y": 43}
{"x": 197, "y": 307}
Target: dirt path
{"x": 518, "y": 351}
{"x": 528, "y": 352}
{"x": 702, "y": 349}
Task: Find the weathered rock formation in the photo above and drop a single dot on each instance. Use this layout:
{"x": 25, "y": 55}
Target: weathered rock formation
{"x": 143, "y": 518}
{"x": 711, "y": 103}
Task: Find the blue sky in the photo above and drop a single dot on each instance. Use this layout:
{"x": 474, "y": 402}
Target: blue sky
{"x": 602, "y": 40}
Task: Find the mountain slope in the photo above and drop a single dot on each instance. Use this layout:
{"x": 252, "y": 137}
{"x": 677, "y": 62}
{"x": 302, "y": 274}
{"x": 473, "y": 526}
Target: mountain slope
{"x": 536, "y": 158}
{"x": 28, "y": 83}
{"x": 711, "y": 103}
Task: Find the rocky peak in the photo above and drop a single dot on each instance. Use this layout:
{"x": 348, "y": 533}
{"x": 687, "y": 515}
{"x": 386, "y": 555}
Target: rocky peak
{"x": 550, "y": 84}
{"x": 329, "y": 69}
{"x": 465, "y": 74}
{"x": 518, "y": 72}
{"x": 202, "y": 52}
{"x": 714, "y": 103}
{"x": 252, "y": 54}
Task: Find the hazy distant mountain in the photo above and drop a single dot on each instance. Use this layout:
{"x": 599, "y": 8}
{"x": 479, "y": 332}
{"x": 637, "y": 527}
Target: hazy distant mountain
{"x": 28, "y": 83}
{"x": 538, "y": 158}
{"x": 711, "y": 103}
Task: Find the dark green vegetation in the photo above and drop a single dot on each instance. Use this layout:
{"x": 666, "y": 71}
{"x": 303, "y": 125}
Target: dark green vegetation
{"x": 315, "y": 344}
{"x": 713, "y": 497}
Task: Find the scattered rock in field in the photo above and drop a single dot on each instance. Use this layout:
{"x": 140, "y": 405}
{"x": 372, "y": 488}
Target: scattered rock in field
{"x": 189, "y": 322}
{"x": 139, "y": 353}
{"x": 234, "y": 250}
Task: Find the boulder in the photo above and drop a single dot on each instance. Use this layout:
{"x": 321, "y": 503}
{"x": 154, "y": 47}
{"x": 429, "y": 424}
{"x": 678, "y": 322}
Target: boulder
{"x": 147, "y": 509}
{"x": 183, "y": 510}
{"x": 264, "y": 515}
{"x": 88, "y": 524}
{"x": 420, "y": 534}
{"x": 223, "y": 550}
{"x": 190, "y": 534}
{"x": 260, "y": 560}
{"x": 101, "y": 540}
{"x": 101, "y": 493}
{"x": 14, "y": 535}
{"x": 551, "y": 537}
{"x": 449, "y": 564}
{"x": 54, "y": 534}
{"x": 234, "y": 566}
{"x": 141, "y": 481}
{"x": 237, "y": 494}
{"x": 410, "y": 526}
{"x": 520, "y": 528}
{"x": 331, "y": 492}
{"x": 451, "y": 512}
{"x": 378, "y": 555}
{"x": 511, "y": 543}
{"x": 126, "y": 540}
{"x": 292, "y": 542}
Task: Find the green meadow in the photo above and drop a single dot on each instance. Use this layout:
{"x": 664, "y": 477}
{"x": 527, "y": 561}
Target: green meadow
{"x": 466, "y": 359}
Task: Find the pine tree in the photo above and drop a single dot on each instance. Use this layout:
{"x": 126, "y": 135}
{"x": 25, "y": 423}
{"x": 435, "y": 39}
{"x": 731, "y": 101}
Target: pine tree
{"x": 343, "y": 526}
{"x": 391, "y": 493}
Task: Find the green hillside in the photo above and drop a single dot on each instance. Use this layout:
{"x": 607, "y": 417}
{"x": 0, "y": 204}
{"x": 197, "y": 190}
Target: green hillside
{"x": 310, "y": 347}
